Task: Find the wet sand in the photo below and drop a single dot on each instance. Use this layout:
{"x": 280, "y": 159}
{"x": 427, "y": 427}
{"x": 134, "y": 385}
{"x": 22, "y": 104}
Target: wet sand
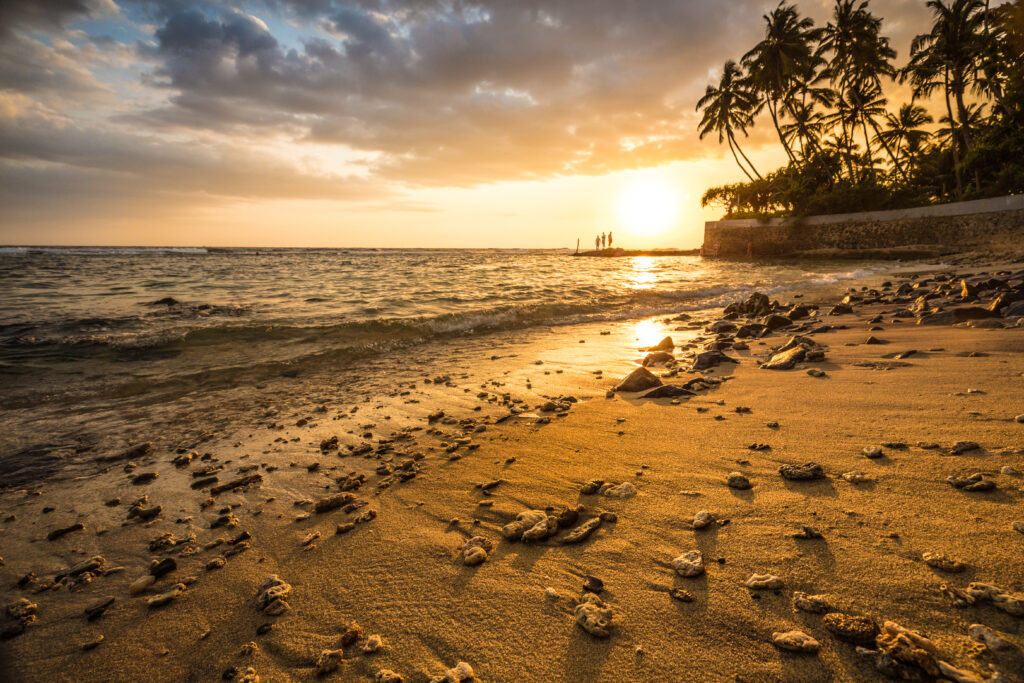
{"x": 400, "y": 573}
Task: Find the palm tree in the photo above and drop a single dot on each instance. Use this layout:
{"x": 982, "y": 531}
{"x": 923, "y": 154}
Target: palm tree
{"x": 780, "y": 58}
{"x": 903, "y": 130}
{"x": 950, "y": 56}
{"x": 856, "y": 58}
{"x": 730, "y": 106}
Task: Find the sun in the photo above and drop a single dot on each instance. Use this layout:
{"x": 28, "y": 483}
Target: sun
{"x": 648, "y": 206}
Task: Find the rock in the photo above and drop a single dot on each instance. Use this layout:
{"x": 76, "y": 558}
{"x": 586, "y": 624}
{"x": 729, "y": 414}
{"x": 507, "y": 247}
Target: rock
{"x": 702, "y": 519}
{"x": 689, "y": 564}
{"x": 373, "y": 644}
{"x": 333, "y": 502}
{"x": 964, "y": 446}
{"x": 961, "y": 314}
{"x": 350, "y": 633}
{"x": 774, "y": 322}
{"x": 872, "y": 452}
{"x": 592, "y": 486}
{"x": 989, "y": 638}
{"x": 971, "y": 482}
{"x": 785, "y": 360}
{"x": 345, "y": 527}
{"x": 948, "y": 671}
{"x": 815, "y": 372}
{"x": 856, "y": 477}
{"x": 873, "y": 340}
{"x": 475, "y": 550}
{"x": 943, "y": 563}
{"x": 840, "y": 309}
{"x": 95, "y": 609}
{"x": 93, "y": 564}
{"x": 665, "y": 344}
{"x": 144, "y": 514}
{"x": 1012, "y": 604}
{"x": 165, "y": 597}
{"x": 164, "y": 566}
{"x": 638, "y": 380}
{"x": 1019, "y": 419}
{"x": 656, "y": 358}
{"x": 141, "y": 584}
{"x": 1018, "y": 526}
{"x": 592, "y": 584}
{"x": 907, "y": 647}
{"x": 594, "y": 616}
{"x": 806, "y": 472}
{"x": 852, "y": 629}
{"x": 815, "y": 604}
{"x": 763, "y": 582}
{"x": 623, "y": 490}
{"x": 328, "y": 661}
{"x": 542, "y": 529}
{"x": 270, "y": 595}
{"x": 20, "y": 609}
{"x": 668, "y": 391}
{"x": 525, "y": 520}
{"x": 237, "y": 483}
{"x": 57, "y": 533}
{"x": 710, "y": 359}
{"x": 388, "y": 676}
{"x": 795, "y": 641}
{"x": 93, "y": 644}
{"x": 144, "y": 478}
{"x": 457, "y": 674}
{"x": 569, "y": 516}
{"x": 737, "y": 481}
{"x": 680, "y": 595}
{"x": 216, "y": 563}
{"x": 583, "y": 531}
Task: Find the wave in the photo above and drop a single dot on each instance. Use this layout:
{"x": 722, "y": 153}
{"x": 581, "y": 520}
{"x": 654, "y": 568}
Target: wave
{"x": 102, "y": 251}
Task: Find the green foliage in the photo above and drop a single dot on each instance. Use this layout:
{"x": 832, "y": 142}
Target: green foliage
{"x": 823, "y": 89}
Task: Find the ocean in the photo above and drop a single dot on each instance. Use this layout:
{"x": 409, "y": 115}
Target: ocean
{"x": 90, "y": 336}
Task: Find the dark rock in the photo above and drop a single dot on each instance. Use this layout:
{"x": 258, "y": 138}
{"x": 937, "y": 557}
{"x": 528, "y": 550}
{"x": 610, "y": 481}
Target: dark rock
{"x": 593, "y": 585}
{"x": 665, "y": 344}
{"x": 657, "y": 358}
{"x": 852, "y": 629}
{"x": 775, "y": 322}
{"x": 57, "y": 533}
{"x": 164, "y": 566}
{"x": 166, "y": 301}
{"x": 840, "y": 309}
{"x": 710, "y": 359}
{"x": 957, "y": 315}
{"x": 237, "y": 483}
{"x": 668, "y": 391}
{"x": 806, "y": 472}
{"x": 638, "y": 380}
{"x": 751, "y": 331}
{"x": 144, "y": 478}
{"x": 96, "y": 609}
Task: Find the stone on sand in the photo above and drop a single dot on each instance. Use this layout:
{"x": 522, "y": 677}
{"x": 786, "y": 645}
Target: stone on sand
{"x": 524, "y": 521}
{"x": 805, "y": 472}
{"x": 457, "y": 674}
{"x": 689, "y": 564}
{"x": 814, "y": 604}
{"x": 328, "y": 661}
{"x": 167, "y": 596}
{"x": 271, "y": 594}
{"x": 795, "y": 641}
{"x": 763, "y": 582}
{"x": 638, "y": 380}
{"x": 989, "y": 638}
{"x": 736, "y": 480}
{"x": 594, "y": 616}
{"x": 702, "y": 519}
{"x": 583, "y": 531}
{"x": 943, "y": 563}
{"x": 851, "y": 628}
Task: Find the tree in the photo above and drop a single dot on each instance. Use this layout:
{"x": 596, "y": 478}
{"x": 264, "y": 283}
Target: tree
{"x": 776, "y": 62}
{"x": 903, "y": 131}
{"x": 727, "y": 108}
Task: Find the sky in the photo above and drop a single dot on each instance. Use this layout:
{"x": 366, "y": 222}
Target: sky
{"x": 372, "y": 123}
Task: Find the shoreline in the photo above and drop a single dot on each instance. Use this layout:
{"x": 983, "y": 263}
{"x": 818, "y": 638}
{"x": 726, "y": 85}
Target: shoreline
{"x": 496, "y": 616}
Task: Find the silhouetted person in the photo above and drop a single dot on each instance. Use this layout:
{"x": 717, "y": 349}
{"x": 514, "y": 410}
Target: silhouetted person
{"x": 602, "y": 240}
{"x": 609, "y": 239}
{"x": 597, "y": 243}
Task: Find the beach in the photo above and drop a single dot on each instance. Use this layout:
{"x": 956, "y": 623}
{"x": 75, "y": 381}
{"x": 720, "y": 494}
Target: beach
{"x": 379, "y": 508}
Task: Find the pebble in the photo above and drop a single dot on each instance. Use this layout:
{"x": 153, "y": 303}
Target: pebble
{"x": 592, "y": 584}
{"x": 1018, "y": 526}
{"x": 165, "y": 597}
{"x": 702, "y": 519}
{"x": 1012, "y": 604}
{"x": 92, "y": 644}
{"x": 763, "y": 582}
{"x": 689, "y": 564}
{"x": 808, "y": 471}
{"x": 943, "y": 563}
{"x": 1019, "y": 419}
{"x": 815, "y": 604}
{"x": 584, "y": 530}
{"x": 388, "y": 676}
{"x": 141, "y": 584}
{"x": 856, "y": 477}
{"x": 1009, "y": 470}
{"x": 795, "y": 641}
{"x": 373, "y": 644}
{"x": 475, "y": 550}
{"x": 737, "y": 481}
{"x": 623, "y": 490}
{"x": 681, "y": 595}
{"x": 852, "y": 629}
{"x": 594, "y": 616}
{"x": 989, "y": 638}
{"x": 872, "y": 452}
{"x": 328, "y": 661}
{"x": 964, "y": 446}
{"x": 270, "y": 595}
{"x": 457, "y": 674}
{"x": 96, "y": 608}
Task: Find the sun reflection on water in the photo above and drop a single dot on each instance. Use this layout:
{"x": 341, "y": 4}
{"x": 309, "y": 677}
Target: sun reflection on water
{"x": 649, "y": 332}
{"x": 643, "y": 275}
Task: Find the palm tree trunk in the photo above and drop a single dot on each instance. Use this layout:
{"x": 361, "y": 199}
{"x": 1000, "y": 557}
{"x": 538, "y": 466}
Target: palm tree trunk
{"x": 953, "y": 136}
{"x": 782, "y": 138}
{"x": 728, "y": 137}
{"x": 867, "y": 146}
{"x": 888, "y": 151}
{"x": 750, "y": 163}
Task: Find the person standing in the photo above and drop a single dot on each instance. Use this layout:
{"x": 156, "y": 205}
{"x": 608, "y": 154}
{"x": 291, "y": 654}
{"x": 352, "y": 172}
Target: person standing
{"x": 602, "y": 240}
{"x": 597, "y": 243}
{"x": 609, "y": 239}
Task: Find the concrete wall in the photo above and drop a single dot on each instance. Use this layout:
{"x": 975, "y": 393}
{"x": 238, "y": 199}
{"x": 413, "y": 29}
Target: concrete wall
{"x": 947, "y": 226}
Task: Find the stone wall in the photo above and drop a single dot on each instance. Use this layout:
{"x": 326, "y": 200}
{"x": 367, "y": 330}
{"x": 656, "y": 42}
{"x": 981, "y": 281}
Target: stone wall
{"x": 995, "y": 222}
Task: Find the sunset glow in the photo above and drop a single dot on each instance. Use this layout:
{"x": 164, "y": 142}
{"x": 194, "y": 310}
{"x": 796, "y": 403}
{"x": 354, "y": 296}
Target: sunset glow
{"x": 648, "y": 206}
